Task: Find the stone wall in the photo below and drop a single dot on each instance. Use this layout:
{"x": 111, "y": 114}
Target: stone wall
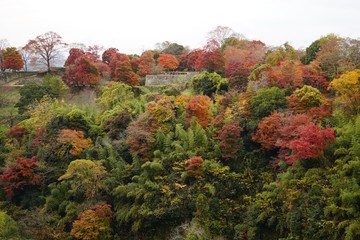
{"x": 163, "y": 79}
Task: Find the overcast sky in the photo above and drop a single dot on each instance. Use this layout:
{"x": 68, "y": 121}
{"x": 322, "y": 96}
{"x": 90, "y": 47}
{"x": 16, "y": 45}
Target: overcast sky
{"x": 136, "y": 25}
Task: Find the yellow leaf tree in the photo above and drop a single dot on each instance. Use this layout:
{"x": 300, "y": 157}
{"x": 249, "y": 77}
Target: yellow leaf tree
{"x": 347, "y": 89}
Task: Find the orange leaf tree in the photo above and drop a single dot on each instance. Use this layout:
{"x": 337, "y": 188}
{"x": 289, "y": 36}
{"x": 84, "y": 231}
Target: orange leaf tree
{"x": 93, "y": 223}
{"x": 74, "y": 140}
{"x": 147, "y": 63}
{"x": 198, "y": 107}
{"x": 121, "y": 71}
{"x": 193, "y": 165}
{"x": 168, "y": 62}
{"x": 12, "y": 59}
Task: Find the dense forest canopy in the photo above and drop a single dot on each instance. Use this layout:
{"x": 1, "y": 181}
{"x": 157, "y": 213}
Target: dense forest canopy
{"x": 262, "y": 143}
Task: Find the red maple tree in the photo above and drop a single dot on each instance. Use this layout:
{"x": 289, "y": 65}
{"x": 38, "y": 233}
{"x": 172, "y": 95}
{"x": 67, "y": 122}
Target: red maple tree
{"x": 107, "y": 54}
{"x": 82, "y": 73}
{"x": 147, "y": 62}
{"x": 20, "y": 175}
{"x": 74, "y": 54}
{"x": 296, "y": 136}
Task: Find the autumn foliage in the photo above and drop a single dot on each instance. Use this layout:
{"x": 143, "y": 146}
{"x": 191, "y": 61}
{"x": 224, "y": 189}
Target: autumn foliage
{"x": 246, "y": 151}
{"x": 20, "y": 175}
{"x": 74, "y": 140}
{"x": 17, "y": 132}
{"x": 107, "y": 54}
{"x": 230, "y": 140}
{"x": 305, "y": 98}
{"x": 347, "y": 89}
{"x": 74, "y": 54}
{"x": 191, "y": 59}
{"x": 198, "y": 107}
{"x": 211, "y": 58}
{"x": 193, "y": 165}
{"x": 168, "y": 62}
{"x": 240, "y": 57}
{"x": 296, "y": 136}
{"x": 287, "y": 74}
{"x": 121, "y": 71}
{"x": 309, "y": 142}
{"x": 82, "y": 73}
{"x": 267, "y": 133}
{"x": 93, "y": 223}
{"x": 146, "y": 63}
{"x": 46, "y": 46}
{"x": 12, "y": 59}
{"x": 139, "y": 138}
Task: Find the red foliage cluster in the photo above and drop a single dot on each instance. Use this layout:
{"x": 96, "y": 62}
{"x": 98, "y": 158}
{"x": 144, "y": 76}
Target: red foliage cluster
{"x": 267, "y": 133}
{"x": 310, "y": 141}
{"x": 314, "y": 77}
{"x": 238, "y": 74}
{"x": 193, "y": 165}
{"x": 38, "y": 138}
{"x": 249, "y": 53}
{"x": 93, "y": 52}
{"x": 135, "y": 64}
{"x": 211, "y": 58}
{"x": 74, "y": 54}
{"x": 82, "y": 73}
{"x": 147, "y": 62}
{"x": 325, "y": 109}
{"x": 20, "y": 175}
{"x": 102, "y": 68}
{"x": 107, "y": 54}
{"x": 121, "y": 70}
{"x": 297, "y": 136}
{"x": 287, "y": 74}
{"x": 191, "y": 59}
{"x": 16, "y": 132}
{"x": 230, "y": 140}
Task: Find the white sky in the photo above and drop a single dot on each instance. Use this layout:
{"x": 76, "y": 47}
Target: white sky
{"x": 136, "y": 25}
